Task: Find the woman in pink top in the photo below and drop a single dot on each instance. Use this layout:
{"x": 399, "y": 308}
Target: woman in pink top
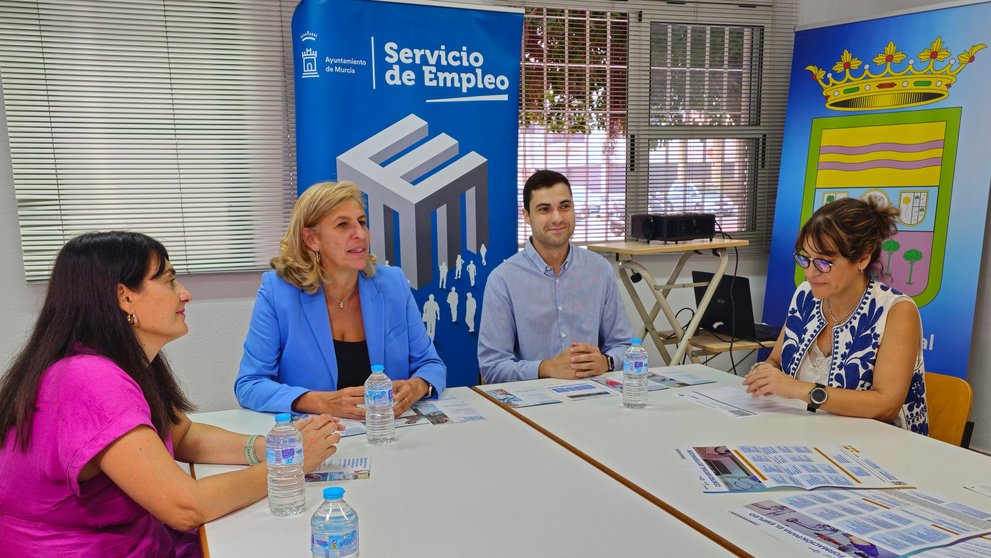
{"x": 92, "y": 420}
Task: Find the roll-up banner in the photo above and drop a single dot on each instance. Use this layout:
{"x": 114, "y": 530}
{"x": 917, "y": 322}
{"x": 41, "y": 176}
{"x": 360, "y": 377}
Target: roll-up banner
{"x": 418, "y": 105}
{"x": 895, "y": 108}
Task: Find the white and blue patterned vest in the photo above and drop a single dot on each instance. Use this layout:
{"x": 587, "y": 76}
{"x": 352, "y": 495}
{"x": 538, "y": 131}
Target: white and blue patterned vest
{"x": 855, "y": 345}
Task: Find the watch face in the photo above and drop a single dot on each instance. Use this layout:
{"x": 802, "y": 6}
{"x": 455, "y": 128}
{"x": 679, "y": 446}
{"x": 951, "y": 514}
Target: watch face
{"x": 818, "y": 395}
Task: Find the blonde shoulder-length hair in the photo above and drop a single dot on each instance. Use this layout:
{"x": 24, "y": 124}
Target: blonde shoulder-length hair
{"x": 296, "y": 263}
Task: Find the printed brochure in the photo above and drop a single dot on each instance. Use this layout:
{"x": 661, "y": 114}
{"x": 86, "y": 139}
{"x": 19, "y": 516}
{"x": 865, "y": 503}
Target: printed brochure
{"x": 426, "y": 411}
{"x": 752, "y": 468}
{"x": 520, "y": 395}
{"x": 655, "y": 380}
{"x": 342, "y": 468}
{"x": 873, "y": 523}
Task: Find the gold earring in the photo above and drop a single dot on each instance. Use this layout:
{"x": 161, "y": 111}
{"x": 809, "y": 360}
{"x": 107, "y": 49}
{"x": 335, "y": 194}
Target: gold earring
{"x": 132, "y": 319}
{"x": 317, "y": 254}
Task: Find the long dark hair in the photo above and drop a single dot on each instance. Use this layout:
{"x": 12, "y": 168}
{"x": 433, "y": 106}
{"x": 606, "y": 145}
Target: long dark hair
{"x": 82, "y": 315}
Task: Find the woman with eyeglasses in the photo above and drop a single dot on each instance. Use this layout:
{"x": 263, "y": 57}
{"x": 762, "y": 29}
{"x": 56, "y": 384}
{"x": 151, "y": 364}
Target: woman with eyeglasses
{"x": 850, "y": 344}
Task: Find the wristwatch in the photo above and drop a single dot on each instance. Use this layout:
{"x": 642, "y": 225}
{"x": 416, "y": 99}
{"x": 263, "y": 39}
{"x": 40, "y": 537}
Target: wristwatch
{"x": 610, "y": 365}
{"x": 817, "y": 397}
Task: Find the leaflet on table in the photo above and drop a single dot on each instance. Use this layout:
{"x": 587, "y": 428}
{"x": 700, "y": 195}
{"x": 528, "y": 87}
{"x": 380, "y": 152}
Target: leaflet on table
{"x": 354, "y": 427}
{"x": 655, "y": 381}
{"x": 735, "y": 402}
{"x": 445, "y": 411}
{"x": 753, "y": 468}
{"x": 440, "y": 411}
{"x": 521, "y": 395}
{"x": 577, "y": 391}
{"x": 342, "y": 468}
{"x": 881, "y": 523}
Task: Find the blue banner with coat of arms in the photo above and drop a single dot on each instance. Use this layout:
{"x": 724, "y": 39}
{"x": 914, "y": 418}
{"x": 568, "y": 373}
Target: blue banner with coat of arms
{"x": 418, "y": 105}
{"x": 894, "y": 109}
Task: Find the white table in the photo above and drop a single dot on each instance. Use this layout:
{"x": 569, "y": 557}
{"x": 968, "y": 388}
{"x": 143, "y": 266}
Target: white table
{"x": 631, "y": 271}
{"x": 638, "y": 447}
{"x": 493, "y": 488}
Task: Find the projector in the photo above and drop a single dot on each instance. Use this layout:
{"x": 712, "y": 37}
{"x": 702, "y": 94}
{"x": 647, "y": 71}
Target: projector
{"x": 674, "y": 226}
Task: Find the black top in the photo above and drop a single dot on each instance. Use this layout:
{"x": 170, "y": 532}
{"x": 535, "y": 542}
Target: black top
{"x": 353, "y": 364}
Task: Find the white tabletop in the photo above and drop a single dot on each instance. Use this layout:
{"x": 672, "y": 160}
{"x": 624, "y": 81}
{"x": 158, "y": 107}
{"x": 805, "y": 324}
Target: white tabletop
{"x": 491, "y": 488}
{"x": 639, "y": 446}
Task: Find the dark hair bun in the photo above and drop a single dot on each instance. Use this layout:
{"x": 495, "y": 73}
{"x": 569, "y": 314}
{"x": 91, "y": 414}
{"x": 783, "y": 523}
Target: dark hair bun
{"x": 886, "y": 216}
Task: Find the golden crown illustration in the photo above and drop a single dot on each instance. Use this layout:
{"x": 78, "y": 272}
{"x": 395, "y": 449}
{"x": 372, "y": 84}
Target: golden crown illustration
{"x": 892, "y": 88}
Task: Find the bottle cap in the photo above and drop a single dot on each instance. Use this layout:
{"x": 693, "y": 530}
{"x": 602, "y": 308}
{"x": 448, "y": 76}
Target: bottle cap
{"x": 378, "y": 368}
{"x": 283, "y": 417}
{"x": 635, "y": 341}
{"x": 333, "y": 493}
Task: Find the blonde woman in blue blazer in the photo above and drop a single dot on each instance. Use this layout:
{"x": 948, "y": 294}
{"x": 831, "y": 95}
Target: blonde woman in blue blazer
{"x": 327, "y": 313}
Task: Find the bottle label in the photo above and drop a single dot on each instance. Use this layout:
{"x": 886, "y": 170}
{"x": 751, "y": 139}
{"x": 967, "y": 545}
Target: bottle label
{"x": 284, "y": 456}
{"x": 634, "y": 367}
{"x": 344, "y": 544}
{"x": 378, "y": 396}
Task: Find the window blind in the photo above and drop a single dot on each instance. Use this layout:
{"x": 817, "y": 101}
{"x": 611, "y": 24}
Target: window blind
{"x": 573, "y": 112}
{"x": 661, "y": 107}
{"x": 172, "y": 118}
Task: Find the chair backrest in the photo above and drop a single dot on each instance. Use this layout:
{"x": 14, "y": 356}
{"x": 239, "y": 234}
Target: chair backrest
{"x": 949, "y": 399}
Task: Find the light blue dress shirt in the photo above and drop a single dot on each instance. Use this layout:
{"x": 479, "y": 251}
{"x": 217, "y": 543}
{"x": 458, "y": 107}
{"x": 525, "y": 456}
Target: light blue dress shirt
{"x": 530, "y": 314}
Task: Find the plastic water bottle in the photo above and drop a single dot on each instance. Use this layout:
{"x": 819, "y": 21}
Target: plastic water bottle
{"x": 284, "y": 456}
{"x": 635, "y": 376}
{"x": 380, "y": 420}
{"x": 334, "y": 527}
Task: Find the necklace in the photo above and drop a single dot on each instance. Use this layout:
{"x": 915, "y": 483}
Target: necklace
{"x": 829, "y": 310}
{"x": 342, "y": 302}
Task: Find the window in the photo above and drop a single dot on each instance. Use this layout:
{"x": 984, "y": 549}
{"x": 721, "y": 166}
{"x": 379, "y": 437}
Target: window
{"x": 703, "y": 76}
{"x": 573, "y": 112}
{"x": 658, "y": 107}
{"x": 170, "y": 118}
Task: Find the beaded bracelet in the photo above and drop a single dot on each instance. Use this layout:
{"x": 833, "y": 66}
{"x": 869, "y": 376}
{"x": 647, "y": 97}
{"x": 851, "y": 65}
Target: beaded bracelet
{"x": 249, "y": 450}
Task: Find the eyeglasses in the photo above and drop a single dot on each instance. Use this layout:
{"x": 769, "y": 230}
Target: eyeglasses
{"x": 824, "y": 266}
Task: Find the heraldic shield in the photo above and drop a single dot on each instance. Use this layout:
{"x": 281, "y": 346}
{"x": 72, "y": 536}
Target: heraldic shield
{"x": 904, "y": 159}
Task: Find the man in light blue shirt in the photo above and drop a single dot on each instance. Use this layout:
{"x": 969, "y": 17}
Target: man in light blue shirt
{"x": 552, "y": 310}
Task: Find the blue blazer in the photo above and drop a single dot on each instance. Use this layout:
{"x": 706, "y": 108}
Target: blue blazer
{"x": 289, "y": 349}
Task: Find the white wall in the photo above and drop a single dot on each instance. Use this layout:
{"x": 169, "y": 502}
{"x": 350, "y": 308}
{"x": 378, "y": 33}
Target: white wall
{"x": 811, "y": 12}
{"x": 206, "y": 360}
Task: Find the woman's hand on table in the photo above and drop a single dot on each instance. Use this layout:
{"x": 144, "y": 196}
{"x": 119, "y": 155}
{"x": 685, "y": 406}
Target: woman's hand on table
{"x": 407, "y": 392}
{"x": 341, "y": 403}
{"x": 767, "y": 379}
{"x": 320, "y": 439}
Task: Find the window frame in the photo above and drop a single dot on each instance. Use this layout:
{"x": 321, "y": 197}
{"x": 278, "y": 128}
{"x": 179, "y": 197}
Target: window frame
{"x": 777, "y": 18}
